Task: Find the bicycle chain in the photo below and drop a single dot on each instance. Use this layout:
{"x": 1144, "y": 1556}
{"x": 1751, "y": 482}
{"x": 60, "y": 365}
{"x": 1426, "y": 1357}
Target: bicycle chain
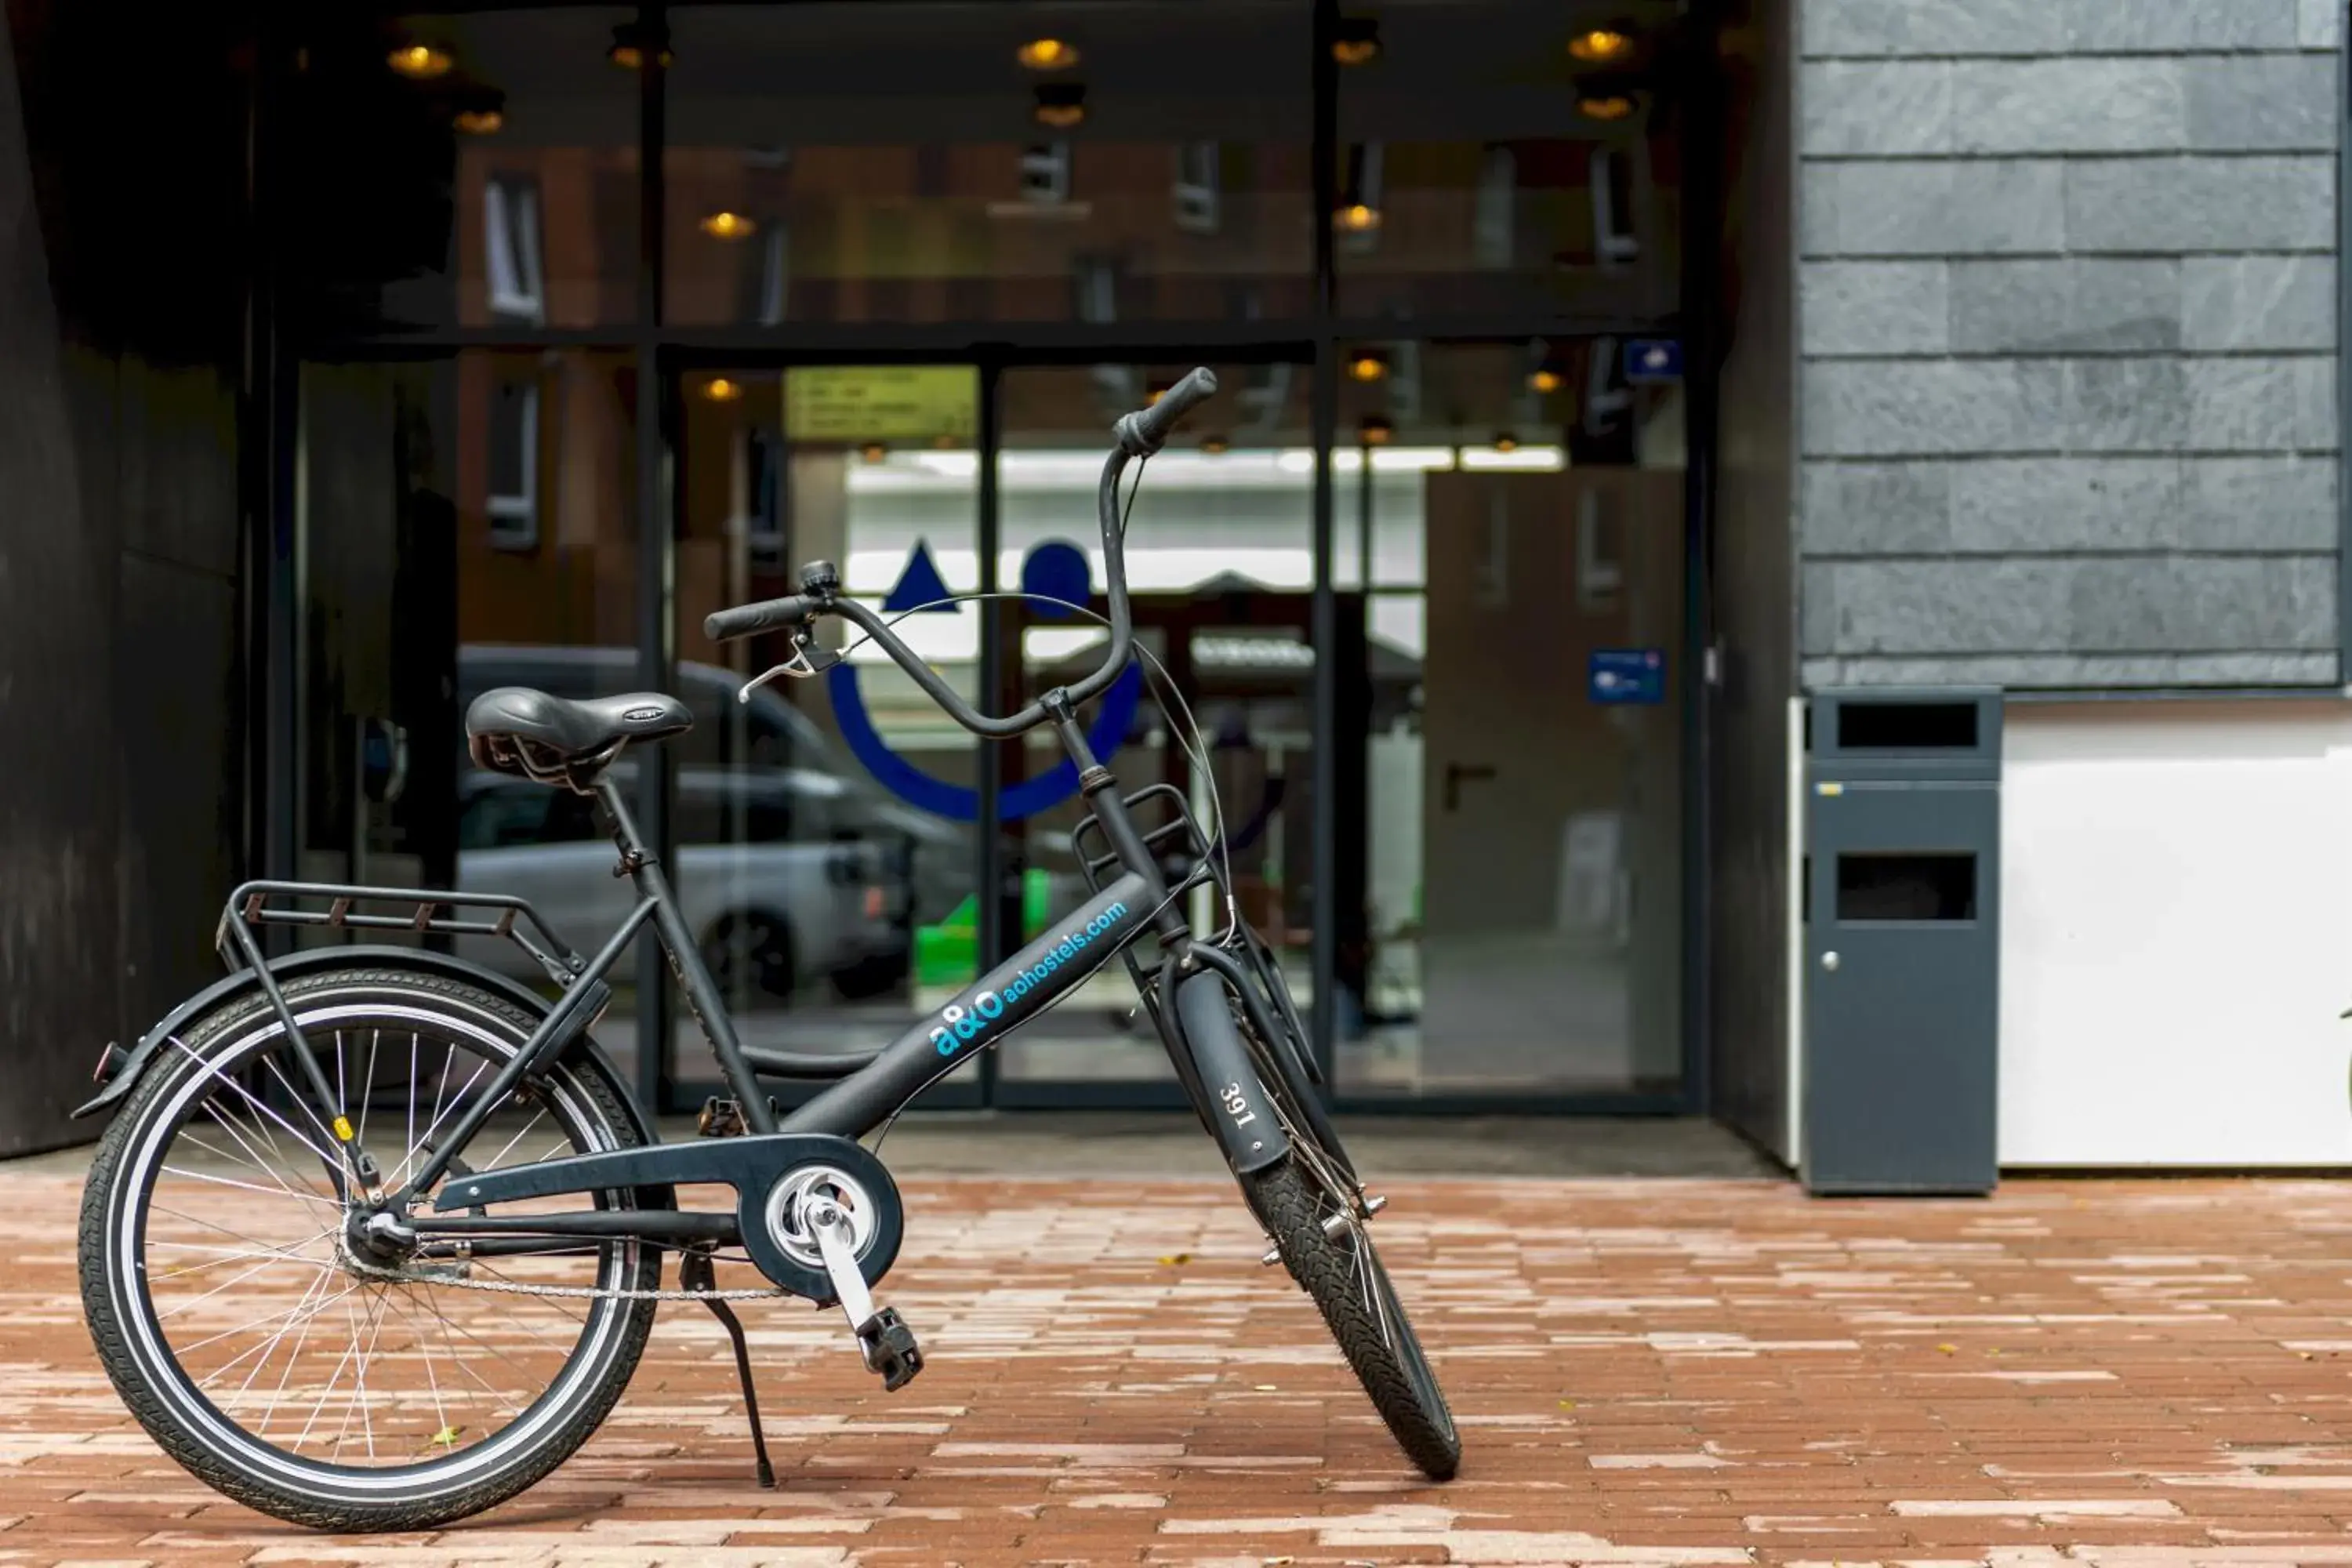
{"x": 569, "y": 1292}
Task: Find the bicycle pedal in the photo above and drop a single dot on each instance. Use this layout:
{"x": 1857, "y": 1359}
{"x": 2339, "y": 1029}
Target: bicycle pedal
{"x": 890, "y": 1348}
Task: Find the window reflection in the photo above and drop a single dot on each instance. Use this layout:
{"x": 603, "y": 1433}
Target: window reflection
{"x": 853, "y": 163}
{"x": 1488, "y": 169}
{"x": 500, "y": 191}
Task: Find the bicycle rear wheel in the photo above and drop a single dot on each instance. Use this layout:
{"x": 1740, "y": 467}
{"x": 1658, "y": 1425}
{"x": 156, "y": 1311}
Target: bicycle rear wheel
{"x": 277, "y": 1361}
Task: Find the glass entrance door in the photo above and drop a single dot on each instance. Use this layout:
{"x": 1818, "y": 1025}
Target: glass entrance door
{"x": 1220, "y": 566}
{"x": 1517, "y": 534}
{"x": 830, "y": 830}
{"x": 823, "y": 830}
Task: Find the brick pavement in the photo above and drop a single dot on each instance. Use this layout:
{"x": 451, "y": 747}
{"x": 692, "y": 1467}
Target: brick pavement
{"x": 1650, "y": 1373}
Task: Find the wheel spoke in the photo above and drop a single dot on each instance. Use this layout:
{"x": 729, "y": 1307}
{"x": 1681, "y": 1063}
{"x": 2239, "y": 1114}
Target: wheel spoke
{"x": 223, "y": 1254}
{"x": 465, "y": 1364}
{"x": 257, "y": 1105}
{"x": 367, "y": 1086}
{"x": 208, "y": 1223}
{"x": 230, "y": 1283}
{"x": 537, "y": 1116}
{"x": 359, "y": 1376}
{"x": 251, "y": 1187}
{"x": 340, "y": 1159}
{"x": 252, "y": 1155}
{"x": 310, "y": 1294}
{"x": 442, "y": 1430}
{"x": 184, "y": 1350}
{"x": 409, "y": 1161}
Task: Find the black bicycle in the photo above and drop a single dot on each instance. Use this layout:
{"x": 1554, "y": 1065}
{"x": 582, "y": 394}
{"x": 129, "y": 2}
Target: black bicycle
{"x": 376, "y": 1240}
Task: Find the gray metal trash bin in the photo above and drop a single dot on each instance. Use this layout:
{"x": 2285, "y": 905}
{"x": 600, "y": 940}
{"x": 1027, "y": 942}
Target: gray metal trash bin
{"x": 1902, "y": 941}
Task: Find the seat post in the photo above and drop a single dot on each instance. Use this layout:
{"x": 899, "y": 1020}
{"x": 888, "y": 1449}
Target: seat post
{"x": 702, "y": 997}
{"x": 634, "y": 856}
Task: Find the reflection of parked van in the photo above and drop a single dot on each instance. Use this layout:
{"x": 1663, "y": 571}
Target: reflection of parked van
{"x": 924, "y": 855}
{"x": 774, "y": 897}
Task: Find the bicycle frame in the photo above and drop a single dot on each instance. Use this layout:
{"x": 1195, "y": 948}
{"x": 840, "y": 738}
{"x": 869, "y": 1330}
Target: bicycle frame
{"x": 875, "y": 1088}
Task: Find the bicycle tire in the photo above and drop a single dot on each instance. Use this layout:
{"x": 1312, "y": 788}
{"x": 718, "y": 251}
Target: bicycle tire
{"x": 147, "y": 1372}
{"x": 1337, "y": 1272}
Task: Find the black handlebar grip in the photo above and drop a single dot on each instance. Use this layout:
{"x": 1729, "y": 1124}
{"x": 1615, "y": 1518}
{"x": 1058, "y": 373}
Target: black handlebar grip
{"x": 744, "y": 620}
{"x": 1146, "y": 430}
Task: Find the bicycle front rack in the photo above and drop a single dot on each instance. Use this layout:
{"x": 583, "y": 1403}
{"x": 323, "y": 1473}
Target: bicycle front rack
{"x": 1184, "y": 852}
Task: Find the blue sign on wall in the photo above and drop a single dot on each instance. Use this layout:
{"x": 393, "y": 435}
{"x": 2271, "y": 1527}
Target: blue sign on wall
{"x": 1621, "y": 675}
{"x": 1653, "y": 359}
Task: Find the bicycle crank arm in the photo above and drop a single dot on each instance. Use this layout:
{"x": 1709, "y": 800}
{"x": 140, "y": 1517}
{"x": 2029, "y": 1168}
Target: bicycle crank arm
{"x": 769, "y": 1172}
{"x": 883, "y": 1337}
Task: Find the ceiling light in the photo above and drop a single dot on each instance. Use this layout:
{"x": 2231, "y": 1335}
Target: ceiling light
{"x": 1048, "y": 54}
{"x": 1506, "y": 442}
{"x": 1546, "y": 380}
{"x": 421, "y": 62}
{"x": 1367, "y": 364}
{"x": 628, "y": 49}
{"x": 1602, "y": 45}
{"x": 1060, "y": 104}
{"x": 718, "y": 389}
{"x": 726, "y": 225}
{"x": 1374, "y": 430}
{"x": 1614, "y": 106}
{"x": 1215, "y": 446}
{"x": 1358, "y": 217}
{"x": 873, "y": 451}
{"x": 484, "y": 114}
{"x": 1356, "y": 41}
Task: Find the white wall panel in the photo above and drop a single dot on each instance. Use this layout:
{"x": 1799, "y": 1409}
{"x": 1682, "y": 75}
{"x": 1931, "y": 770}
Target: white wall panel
{"x": 2176, "y": 935}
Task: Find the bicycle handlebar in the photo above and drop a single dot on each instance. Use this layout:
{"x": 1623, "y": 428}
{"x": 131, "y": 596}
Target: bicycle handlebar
{"x": 746, "y": 620}
{"x": 1146, "y": 430}
{"x": 1139, "y": 435}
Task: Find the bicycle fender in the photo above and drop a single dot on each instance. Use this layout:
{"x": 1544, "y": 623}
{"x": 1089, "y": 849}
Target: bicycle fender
{"x": 126, "y": 1073}
{"x": 1235, "y": 1106}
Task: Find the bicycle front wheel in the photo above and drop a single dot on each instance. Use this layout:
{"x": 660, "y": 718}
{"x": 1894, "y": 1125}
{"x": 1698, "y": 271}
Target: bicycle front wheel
{"x": 1331, "y": 1254}
{"x": 275, "y": 1361}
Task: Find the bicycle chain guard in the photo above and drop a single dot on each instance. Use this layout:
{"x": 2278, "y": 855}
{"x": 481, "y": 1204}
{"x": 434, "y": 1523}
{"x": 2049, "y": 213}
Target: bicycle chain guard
{"x": 754, "y": 1166}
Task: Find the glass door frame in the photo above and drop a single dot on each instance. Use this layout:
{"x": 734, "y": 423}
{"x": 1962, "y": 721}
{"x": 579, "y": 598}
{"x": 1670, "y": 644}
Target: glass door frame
{"x": 997, "y": 924}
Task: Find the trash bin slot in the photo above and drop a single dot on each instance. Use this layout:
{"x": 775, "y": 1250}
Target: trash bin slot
{"x": 1906, "y": 726}
{"x": 1939, "y": 887}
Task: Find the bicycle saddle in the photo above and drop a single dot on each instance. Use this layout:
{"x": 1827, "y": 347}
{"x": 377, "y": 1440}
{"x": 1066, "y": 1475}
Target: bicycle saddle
{"x": 553, "y": 740}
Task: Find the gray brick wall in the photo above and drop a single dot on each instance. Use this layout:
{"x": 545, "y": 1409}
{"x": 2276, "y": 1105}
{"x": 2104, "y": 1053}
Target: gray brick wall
{"x": 2067, "y": 301}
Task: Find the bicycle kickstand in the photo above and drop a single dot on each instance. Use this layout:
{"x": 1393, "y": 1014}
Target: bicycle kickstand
{"x": 883, "y": 1337}
{"x": 695, "y": 1274}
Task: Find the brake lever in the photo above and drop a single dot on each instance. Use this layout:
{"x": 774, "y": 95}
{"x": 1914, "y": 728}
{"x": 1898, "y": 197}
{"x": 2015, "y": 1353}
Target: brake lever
{"x": 798, "y": 667}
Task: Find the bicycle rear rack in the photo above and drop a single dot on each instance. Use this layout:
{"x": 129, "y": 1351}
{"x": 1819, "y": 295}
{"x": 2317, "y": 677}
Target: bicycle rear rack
{"x": 516, "y": 920}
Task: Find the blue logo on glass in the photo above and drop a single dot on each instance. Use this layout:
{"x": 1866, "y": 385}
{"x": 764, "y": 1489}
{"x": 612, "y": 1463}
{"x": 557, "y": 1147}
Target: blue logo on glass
{"x": 1054, "y": 570}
